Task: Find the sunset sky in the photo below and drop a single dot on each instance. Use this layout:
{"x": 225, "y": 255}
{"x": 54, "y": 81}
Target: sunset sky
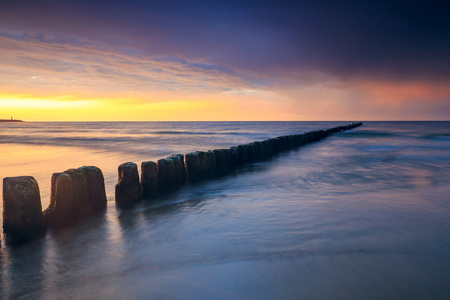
{"x": 224, "y": 60}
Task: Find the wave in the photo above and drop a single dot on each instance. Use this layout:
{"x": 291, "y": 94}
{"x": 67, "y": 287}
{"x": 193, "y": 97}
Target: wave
{"x": 369, "y": 134}
{"x": 436, "y": 136}
{"x": 51, "y": 140}
{"x": 387, "y": 135}
{"x": 197, "y": 133}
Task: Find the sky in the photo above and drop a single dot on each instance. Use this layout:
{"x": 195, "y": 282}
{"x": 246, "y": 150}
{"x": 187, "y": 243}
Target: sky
{"x": 224, "y": 60}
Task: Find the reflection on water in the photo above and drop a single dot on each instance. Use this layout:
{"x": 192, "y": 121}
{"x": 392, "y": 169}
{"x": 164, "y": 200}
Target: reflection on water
{"x": 24, "y": 268}
{"x": 362, "y": 214}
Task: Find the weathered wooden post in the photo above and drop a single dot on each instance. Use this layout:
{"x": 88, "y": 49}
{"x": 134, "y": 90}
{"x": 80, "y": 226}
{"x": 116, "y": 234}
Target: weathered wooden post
{"x": 61, "y": 209}
{"x": 244, "y": 154}
{"x": 22, "y": 211}
{"x": 179, "y": 168}
{"x": 193, "y": 166}
{"x": 75, "y": 195}
{"x": 204, "y": 164}
{"x": 149, "y": 179}
{"x": 96, "y": 189}
{"x": 223, "y": 160}
{"x": 80, "y": 192}
{"x": 252, "y": 152}
{"x": 166, "y": 173}
{"x": 211, "y": 163}
{"x": 276, "y": 145}
{"x": 128, "y": 188}
{"x": 264, "y": 150}
{"x": 234, "y": 157}
{"x": 269, "y": 147}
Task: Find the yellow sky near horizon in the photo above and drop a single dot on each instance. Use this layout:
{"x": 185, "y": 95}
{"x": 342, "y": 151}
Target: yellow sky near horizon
{"x": 174, "y": 107}
{"x": 368, "y": 101}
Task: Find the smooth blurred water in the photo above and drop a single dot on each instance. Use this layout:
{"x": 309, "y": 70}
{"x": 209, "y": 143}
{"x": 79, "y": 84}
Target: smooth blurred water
{"x": 361, "y": 214}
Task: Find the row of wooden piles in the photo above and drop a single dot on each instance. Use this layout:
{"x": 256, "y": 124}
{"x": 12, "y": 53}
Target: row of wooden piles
{"x": 176, "y": 170}
{"x": 77, "y": 194}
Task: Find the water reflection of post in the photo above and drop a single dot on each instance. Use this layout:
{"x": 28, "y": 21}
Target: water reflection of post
{"x": 127, "y": 221}
{"x": 24, "y": 276}
{"x": 81, "y": 249}
{"x": 129, "y": 237}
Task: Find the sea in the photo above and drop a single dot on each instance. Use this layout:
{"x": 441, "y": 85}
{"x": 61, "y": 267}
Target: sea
{"x": 361, "y": 214}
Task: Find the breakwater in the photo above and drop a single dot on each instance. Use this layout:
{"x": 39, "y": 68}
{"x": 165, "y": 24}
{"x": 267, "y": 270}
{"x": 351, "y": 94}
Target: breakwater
{"x": 70, "y": 190}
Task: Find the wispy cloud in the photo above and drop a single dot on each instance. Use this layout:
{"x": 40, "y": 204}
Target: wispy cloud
{"x": 38, "y": 61}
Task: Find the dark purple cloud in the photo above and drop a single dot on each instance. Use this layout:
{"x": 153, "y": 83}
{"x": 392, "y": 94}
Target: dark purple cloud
{"x": 280, "y": 40}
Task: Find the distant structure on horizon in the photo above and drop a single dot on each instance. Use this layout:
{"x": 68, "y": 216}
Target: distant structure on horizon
{"x": 12, "y": 120}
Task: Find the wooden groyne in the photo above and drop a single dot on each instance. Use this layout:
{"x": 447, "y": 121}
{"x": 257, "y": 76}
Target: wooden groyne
{"x": 175, "y": 170}
{"x": 77, "y": 194}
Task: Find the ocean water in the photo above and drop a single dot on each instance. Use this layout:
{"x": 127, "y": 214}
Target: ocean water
{"x": 363, "y": 214}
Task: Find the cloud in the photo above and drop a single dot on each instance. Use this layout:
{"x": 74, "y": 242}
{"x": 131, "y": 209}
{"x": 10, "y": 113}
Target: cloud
{"x": 76, "y": 65}
{"x": 292, "y": 41}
